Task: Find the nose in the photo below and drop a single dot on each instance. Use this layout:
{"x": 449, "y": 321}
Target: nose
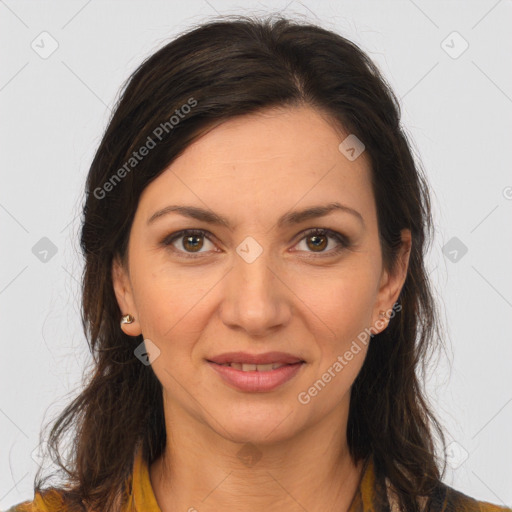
{"x": 256, "y": 297}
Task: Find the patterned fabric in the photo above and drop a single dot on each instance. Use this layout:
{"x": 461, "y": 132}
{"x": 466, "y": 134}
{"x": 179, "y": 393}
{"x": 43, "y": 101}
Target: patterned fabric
{"x": 374, "y": 494}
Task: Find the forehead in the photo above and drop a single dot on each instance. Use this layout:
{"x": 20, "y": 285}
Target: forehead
{"x": 264, "y": 164}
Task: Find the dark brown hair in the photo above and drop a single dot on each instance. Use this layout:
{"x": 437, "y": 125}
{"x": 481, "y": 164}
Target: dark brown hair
{"x": 222, "y": 69}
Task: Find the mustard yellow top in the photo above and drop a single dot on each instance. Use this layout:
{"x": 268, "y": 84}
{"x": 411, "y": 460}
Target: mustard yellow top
{"x": 374, "y": 494}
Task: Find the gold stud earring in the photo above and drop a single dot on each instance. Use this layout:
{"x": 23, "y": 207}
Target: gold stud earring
{"x": 127, "y": 319}
{"x": 382, "y": 313}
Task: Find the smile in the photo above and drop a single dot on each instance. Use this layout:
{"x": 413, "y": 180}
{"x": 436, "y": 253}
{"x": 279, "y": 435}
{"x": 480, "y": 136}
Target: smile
{"x": 247, "y": 367}
{"x": 256, "y": 377}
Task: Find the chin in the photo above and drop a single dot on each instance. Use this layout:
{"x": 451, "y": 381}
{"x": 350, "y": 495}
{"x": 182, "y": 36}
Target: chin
{"x": 258, "y": 425}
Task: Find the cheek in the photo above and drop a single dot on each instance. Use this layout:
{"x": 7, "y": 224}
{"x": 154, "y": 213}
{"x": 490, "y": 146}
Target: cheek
{"x": 163, "y": 293}
{"x": 171, "y": 309}
{"x": 341, "y": 300}
{"x": 338, "y": 312}
{"x": 172, "y": 314}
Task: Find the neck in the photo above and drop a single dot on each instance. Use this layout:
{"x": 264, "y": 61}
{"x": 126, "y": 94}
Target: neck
{"x": 206, "y": 472}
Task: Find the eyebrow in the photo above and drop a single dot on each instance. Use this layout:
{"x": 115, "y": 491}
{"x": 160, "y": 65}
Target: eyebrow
{"x": 288, "y": 219}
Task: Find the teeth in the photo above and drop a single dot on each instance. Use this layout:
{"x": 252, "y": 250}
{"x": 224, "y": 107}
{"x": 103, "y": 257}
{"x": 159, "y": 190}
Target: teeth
{"x": 265, "y": 367}
{"x": 254, "y": 367}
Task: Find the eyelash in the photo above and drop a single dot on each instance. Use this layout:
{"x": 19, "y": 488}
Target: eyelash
{"x": 344, "y": 242}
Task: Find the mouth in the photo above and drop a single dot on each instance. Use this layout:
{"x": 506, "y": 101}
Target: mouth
{"x": 248, "y": 367}
{"x": 250, "y": 360}
{"x": 256, "y": 378}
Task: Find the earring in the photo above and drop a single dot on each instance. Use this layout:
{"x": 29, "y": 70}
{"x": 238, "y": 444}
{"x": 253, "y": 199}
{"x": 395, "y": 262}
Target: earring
{"x": 382, "y": 313}
{"x": 127, "y": 319}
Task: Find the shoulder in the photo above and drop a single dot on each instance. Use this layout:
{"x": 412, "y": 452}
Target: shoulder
{"x": 444, "y": 499}
{"x": 50, "y": 501}
{"x": 448, "y": 499}
{"x": 457, "y": 501}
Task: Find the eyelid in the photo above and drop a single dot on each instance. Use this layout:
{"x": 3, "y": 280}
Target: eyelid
{"x": 344, "y": 242}
{"x": 342, "y": 239}
{"x": 168, "y": 240}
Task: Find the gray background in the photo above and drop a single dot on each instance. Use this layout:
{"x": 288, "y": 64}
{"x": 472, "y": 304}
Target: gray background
{"x": 456, "y": 107}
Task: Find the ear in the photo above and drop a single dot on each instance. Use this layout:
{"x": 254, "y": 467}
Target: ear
{"x": 124, "y": 294}
{"x": 391, "y": 284}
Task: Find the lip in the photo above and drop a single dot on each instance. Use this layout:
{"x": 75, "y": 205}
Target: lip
{"x": 266, "y": 358}
{"x": 255, "y": 381}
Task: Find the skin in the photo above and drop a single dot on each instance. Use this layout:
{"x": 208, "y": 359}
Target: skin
{"x": 294, "y": 298}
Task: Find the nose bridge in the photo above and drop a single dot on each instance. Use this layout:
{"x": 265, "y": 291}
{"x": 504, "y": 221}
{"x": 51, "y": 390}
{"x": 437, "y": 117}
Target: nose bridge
{"x": 255, "y": 298}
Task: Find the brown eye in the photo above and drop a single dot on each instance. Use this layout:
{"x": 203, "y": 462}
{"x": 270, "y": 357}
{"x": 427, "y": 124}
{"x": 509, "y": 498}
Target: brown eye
{"x": 188, "y": 242}
{"x": 192, "y": 242}
{"x": 317, "y": 242}
{"x": 318, "y": 239}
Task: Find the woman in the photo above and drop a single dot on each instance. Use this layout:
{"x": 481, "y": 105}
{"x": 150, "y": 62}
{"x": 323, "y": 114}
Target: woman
{"x": 255, "y": 291}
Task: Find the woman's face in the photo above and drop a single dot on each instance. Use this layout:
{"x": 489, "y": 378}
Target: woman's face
{"x": 259, "y": 282}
